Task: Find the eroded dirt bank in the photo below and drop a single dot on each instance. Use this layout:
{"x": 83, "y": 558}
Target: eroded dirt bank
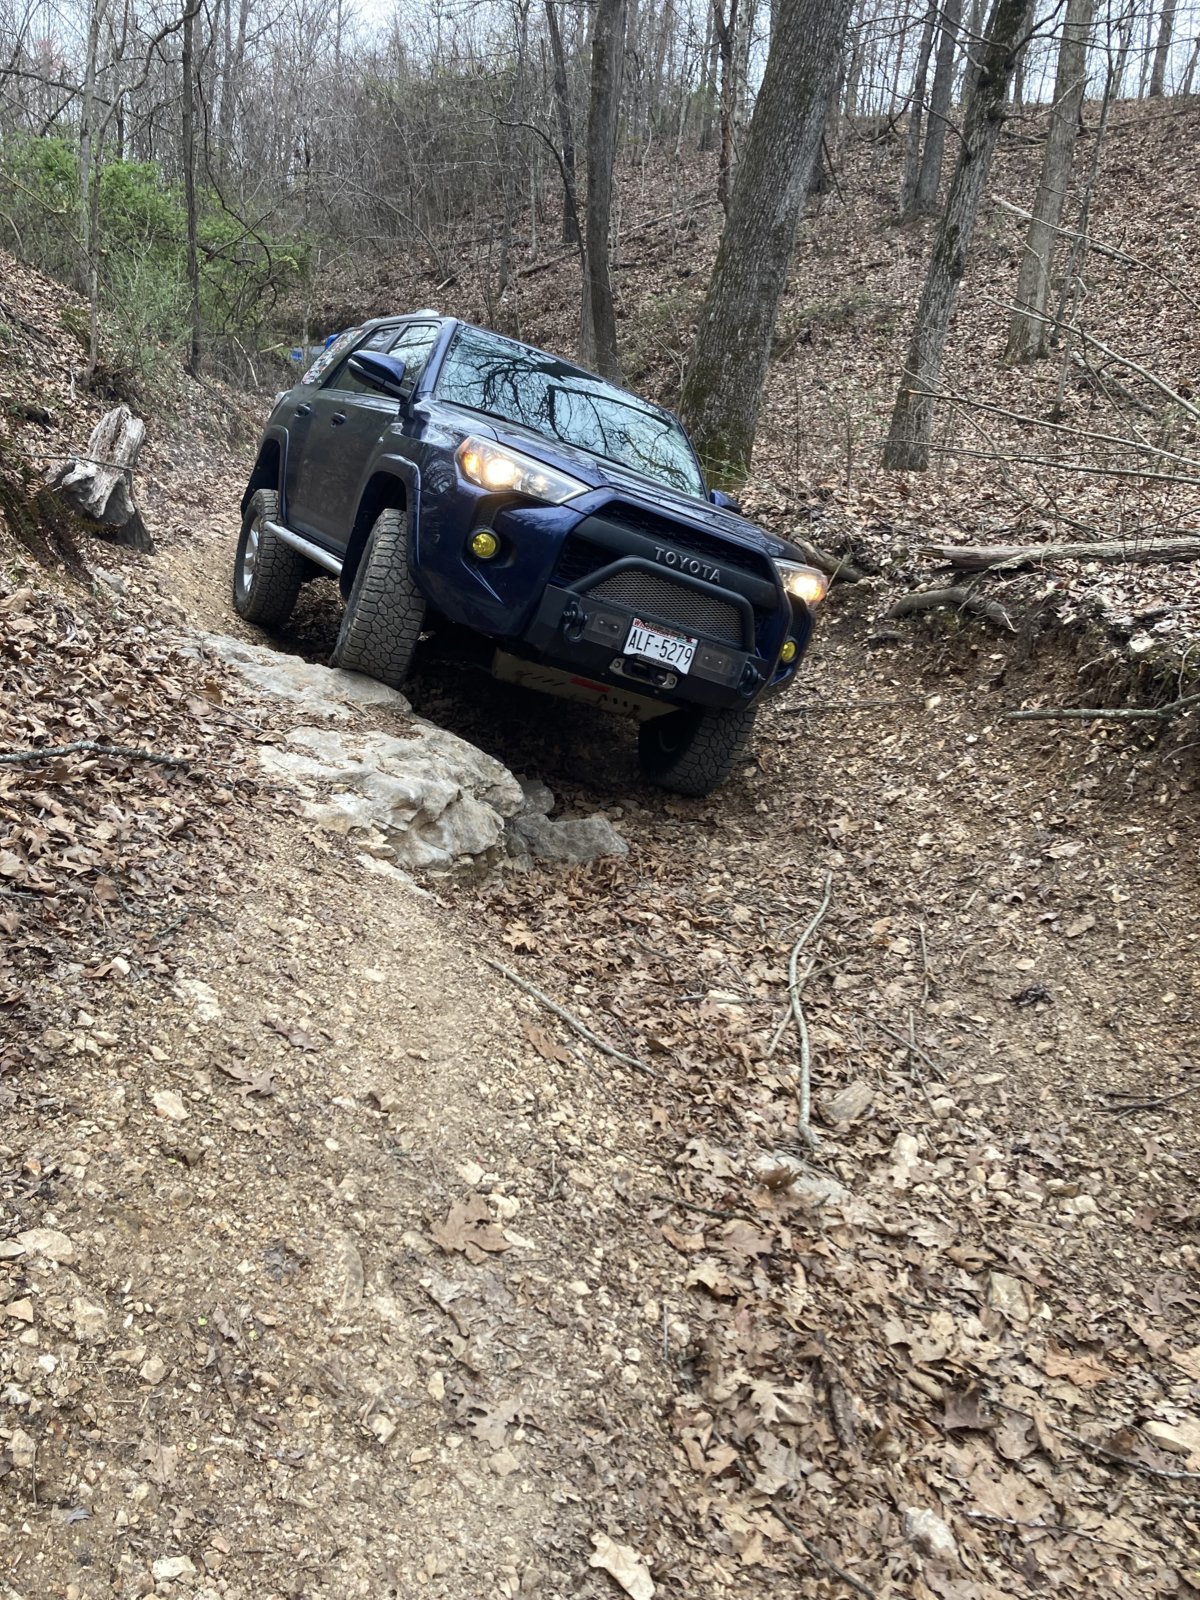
{"x": 334, "y": 1264}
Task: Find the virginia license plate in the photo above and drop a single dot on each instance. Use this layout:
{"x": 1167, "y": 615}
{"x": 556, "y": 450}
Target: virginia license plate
{"x": 667, "y": 649}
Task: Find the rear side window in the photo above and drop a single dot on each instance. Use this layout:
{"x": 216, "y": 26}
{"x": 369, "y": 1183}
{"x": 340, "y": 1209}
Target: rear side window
{"x": 411, "y": 344}
{"x": 335, "y": 348}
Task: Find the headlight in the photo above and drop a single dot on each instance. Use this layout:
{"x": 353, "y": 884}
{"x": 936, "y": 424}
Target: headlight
{"x": 803, "y": 583}
{"x": 496, "y": 467}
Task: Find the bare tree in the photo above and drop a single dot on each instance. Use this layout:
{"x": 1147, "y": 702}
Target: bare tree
{"x": 598, "y": 323}
{"x": 907, "y": 446}
{"x": 930, "y": 177}
{"x": 566, "y": 131}
{"x": 1166, "y": 26}
{"x": 916, "y": 113}
{"x": 1028, "y": 329}
{"x": 728, "y": 368}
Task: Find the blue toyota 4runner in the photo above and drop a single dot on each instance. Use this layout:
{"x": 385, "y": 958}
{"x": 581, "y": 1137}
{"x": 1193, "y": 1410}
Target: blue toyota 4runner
{"x": 440, "y": 471}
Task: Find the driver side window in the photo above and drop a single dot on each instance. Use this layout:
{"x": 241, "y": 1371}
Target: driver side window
{"x": 414, "y": 346}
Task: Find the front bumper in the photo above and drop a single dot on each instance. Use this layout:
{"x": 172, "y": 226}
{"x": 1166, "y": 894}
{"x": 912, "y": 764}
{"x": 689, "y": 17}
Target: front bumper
{"x": 583, "y": 632}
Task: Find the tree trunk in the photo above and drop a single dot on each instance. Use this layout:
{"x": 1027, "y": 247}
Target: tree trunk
{"x": 728, "y": 368}
{"x": 566, "y": 132}
{"x": 89, "y": 188}
{"x": 1027, "y": 331}
{"x": 930, "y": 177}
{"x": 598, "y": 325}
{"x": 1166, "y": 25}
{"x": 708, "y": 81}
{"x": 191, "y": 11}
{"x": 1185, "y": 87}
{"x": 725, "y": 28}
{"x": 916, "y": 114}
{"x": 907, "y": 446}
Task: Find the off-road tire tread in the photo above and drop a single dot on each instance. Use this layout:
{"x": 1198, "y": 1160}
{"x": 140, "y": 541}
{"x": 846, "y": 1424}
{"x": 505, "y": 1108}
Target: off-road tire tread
{"x": 279, "y": 570}
{"x": 385, "y": 610}
{"x": 717, "y": 743}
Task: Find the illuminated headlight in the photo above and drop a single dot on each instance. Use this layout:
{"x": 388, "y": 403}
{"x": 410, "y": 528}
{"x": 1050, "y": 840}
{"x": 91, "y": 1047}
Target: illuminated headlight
{"x": 803, "y": 583}
{"x": 496, "y": 467}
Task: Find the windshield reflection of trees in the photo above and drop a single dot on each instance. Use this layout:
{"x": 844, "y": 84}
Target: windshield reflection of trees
{"x": 560, "y": 402}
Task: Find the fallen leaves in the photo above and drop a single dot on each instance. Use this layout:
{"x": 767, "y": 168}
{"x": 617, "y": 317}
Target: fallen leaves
{"x": 470, "y": 1228}
{"x": 623, "y": 1565}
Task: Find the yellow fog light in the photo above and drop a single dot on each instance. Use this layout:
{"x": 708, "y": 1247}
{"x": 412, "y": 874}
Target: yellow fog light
{"x": 484, "y": 544}
{"x": 788, "y": 653}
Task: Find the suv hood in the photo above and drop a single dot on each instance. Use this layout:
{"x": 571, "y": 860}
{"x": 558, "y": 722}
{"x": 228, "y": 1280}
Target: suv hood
{"x": 631, "y": 485}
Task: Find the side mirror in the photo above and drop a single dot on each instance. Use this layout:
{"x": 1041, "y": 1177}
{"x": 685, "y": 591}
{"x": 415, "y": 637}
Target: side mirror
{"x": 725, "y": 502}
{"x": 382, "y": 373}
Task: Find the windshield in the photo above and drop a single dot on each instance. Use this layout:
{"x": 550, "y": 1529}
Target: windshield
{"x": 557, "y": 400}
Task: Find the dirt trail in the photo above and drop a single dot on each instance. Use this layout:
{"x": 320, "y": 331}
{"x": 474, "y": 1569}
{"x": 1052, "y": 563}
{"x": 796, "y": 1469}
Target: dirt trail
{"x": 401, "y": 1289}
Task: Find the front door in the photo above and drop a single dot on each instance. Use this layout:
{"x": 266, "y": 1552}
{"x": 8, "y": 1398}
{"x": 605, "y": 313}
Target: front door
{"x": 347, "y": 423}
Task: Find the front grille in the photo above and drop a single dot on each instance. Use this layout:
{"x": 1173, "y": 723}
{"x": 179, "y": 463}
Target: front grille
{"x": 687, "y": 608}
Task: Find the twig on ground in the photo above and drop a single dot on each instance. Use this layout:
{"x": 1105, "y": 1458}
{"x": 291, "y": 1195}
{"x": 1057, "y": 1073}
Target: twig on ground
{"x": 1115, "y": 1456}
{"x": 1165, "y": 713}
{"x": 571, "y": 1020}
{"x": 706, "y": 1211}
{"x": 91, "y": 747}
{"x": 795, "y": 983}
{"x": 912, "y": 1046}
{"x": 818, "y": 1554}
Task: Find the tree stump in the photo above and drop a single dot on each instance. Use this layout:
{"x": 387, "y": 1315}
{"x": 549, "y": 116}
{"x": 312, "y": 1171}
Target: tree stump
{"x": 98, "y": 484}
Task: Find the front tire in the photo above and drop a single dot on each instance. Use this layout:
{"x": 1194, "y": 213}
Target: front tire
{"x": 691, "y": 751}
{"x": 267, "y": 573}
{"x": 385, "y": 610}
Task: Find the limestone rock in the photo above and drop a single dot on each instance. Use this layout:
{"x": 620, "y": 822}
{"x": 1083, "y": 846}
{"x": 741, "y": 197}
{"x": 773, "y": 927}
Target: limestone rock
{"x": 326, "y": 692}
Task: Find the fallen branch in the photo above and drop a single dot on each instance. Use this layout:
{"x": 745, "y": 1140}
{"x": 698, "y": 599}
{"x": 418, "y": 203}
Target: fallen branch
{"x": 571, "y": 1020}
{"x": 705, "y": 1211}
{"x": 1070, "y": 429}
{"x": 795, "y": 984}
{"x": 838, "y": 569}
{"x": 983, "y": 557}
{"x": 90, "y": 747}
{"x": 912, "y": 1047}
{"x": 958, "y": 599}
{"x": 818, "y": 1554}
{"x": 1131, "y": 1462}
{"x": 1165, "y": 713}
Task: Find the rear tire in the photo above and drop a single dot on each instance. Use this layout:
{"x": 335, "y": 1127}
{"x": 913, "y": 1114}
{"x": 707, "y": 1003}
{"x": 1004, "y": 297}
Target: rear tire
{"x": 692, "y": 751}
{"x": 385, "y": 610}
{"x": 267, "y": 573}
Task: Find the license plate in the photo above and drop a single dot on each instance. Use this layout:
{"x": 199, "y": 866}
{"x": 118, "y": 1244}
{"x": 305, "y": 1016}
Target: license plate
{"x": 652, "y": 644}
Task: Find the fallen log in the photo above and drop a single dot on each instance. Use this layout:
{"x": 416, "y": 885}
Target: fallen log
{"x": 954, "y": 599}
{"x": 981, "y": 557}
{"x": 838, "y": 569}
{"x": 98, "y": 483}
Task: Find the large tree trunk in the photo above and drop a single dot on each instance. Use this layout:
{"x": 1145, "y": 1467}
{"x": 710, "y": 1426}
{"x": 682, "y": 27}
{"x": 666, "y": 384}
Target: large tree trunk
{"x": 725, "y": 377}
{"x": 930, "y": 177}
{"x": 907, "y": 446}
{"x": 598, "y": 324}
{"x": 566, "y": 131}
{"x": 916, "y": 113}
{"x": 1166, "y": 25}
{"x": 1028, "y": 331}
